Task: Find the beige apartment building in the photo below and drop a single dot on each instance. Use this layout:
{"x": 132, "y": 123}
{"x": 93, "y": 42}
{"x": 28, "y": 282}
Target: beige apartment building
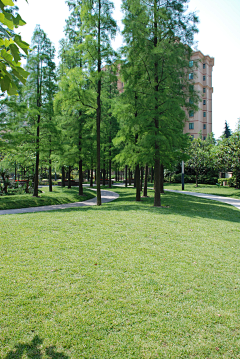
{"x": 201, "y": 77}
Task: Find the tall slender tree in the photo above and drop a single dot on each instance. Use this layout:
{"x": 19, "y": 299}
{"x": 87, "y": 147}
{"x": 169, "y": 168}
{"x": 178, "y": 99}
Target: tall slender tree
{"x": 38, "y": 94}
{"x": 98, "y": 27}
{"x": 158, "y": 35}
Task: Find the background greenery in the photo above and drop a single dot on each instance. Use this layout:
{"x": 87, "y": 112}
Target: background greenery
{"x": 59, "y": 195}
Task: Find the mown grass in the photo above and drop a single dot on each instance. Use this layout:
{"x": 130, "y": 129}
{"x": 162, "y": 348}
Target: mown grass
{"x": 125, "y": 280}
{"x": 224, "y": 191}
{"x": 59, "y": 195}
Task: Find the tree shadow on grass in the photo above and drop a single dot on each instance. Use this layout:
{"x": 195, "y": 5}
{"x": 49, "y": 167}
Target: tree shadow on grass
{"x": 173, "y": 203}
{"x": 32, "y": 350}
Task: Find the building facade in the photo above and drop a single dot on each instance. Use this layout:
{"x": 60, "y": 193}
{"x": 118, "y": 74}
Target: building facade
{"x": 201, "y": 77}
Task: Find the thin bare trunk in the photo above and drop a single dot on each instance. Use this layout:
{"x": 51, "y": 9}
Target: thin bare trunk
{"x": 145, "y": 182}
{"x": 138, "y": 189}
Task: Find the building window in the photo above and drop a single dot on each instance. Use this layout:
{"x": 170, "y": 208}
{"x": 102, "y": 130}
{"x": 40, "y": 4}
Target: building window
{"x": 204, "y": 90}
{"x": 190, "y": 100}
{"x": 190, "y": 63}
{"x": 204, "y": 78}
{"x": 204, "y": 102}
{"x": 204, "y": 114}
{"x": 191, "y": 126}
{"x": 192, "y": 137}
{"x": 204, "y": 138}
{"x": 191, "y": 76}
{"x": 204, "y": 65}
{"x": 191, "y": 88}
{"x": 191, "y": 113}
{"x": 204, "y": 126}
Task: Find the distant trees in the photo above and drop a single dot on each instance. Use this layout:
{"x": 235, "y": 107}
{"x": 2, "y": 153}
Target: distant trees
{"x": 75, "y": 116}
{"x": 227, "y": 132}
{"x": 228, "y": 156}
{"x": 201, "y": 158}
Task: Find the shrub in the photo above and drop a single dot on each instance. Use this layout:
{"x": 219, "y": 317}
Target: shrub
{"x": 231, "y": 181}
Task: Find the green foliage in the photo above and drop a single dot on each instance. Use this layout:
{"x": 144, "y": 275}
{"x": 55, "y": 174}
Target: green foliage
{"x": 230, "y": 181}
{"x": 58, "y": 196}
{"x": 158, "y": 36}
{"x": 227, "y": 132}
{"x": 228, "y": 155}
{"x": 202, "y": 161}
{"x": 11, "y": 46}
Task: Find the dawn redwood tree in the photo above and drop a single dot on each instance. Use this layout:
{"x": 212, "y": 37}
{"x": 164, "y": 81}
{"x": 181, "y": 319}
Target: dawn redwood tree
{"x": 50, "y": 137}
{"x": 158, "y": 36}
{"x": 36, "y": 88}
{"x": 97, "y": 29}
{"x": 73, "y": 99}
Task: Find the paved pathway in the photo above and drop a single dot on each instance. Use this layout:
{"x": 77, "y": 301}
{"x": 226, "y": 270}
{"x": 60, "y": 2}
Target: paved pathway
{"x": 107, "y": 196}
{"x": 233, "y": 201}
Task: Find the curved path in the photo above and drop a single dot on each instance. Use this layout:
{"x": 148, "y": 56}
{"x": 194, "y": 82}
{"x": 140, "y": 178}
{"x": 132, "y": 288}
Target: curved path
{"x": 107, "y": 196}
{"x": 232, "y": 201}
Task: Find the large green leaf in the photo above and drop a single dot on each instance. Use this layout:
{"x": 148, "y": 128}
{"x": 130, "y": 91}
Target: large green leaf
{"x": 15, "y": 52}
{"x": 8, "y": 20}
{"x": 19, "y": 21}
{"x": 7, "y": 2}
{"x": 5, "y": 83}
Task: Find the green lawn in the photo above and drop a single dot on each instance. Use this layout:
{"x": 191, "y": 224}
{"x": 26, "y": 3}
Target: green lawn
{"x": 58, "y": 196}
{"x": 124, "y": 280}
{"x": 205, "y": 188}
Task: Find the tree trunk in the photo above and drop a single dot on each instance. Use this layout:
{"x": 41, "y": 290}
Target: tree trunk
{"x": 15, "y": 173}
{"x": 104, "y": 174}
{"x": 142, "y": 173}
{"x": 69, "y": 177}
{"x": 126, "y": 175}
{"x": 110, "y": 173}
{"x": 63, "y": 176}
{"x": 99, "y": 85}
{"x": 50, "y": 175}
{"x": 129, "y": 177}
{"x": 145, "y": 182}
{"x": 161, "y": 179}
{"x": 157, "y": 198}
{"x": 35, "y": 190}
{"x": 196, "y": 180}
{"x": 91, "y": 178}
{"x": 80, "y": 191}
{"x": 138, "y": 189}
{"x": 152, "y": 174}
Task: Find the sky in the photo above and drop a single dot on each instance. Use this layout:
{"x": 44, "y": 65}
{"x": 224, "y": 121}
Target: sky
{"x": 218, "y": 37}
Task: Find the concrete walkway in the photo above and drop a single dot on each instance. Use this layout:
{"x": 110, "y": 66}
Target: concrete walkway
{"x": 232, "y": 201}
{"x": 107, "y": 196}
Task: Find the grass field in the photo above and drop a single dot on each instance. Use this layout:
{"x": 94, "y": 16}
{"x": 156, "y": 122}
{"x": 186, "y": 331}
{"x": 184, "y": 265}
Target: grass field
{"x": 59, "y": 195}
{"x": 224, "y": 191}
{"x": 124, "y": 280}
